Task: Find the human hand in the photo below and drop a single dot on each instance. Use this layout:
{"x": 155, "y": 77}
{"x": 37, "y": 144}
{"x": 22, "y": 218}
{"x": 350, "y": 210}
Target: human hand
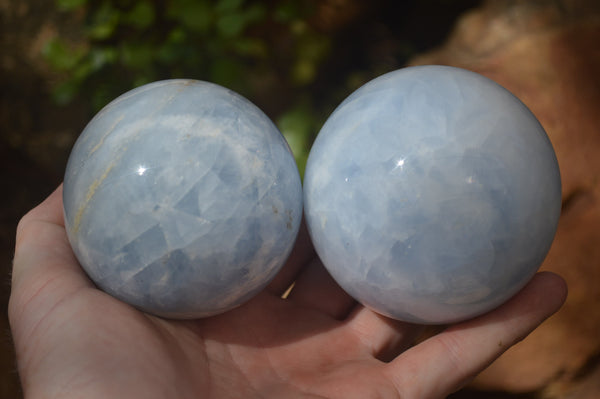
{"x": 73, "y": 340}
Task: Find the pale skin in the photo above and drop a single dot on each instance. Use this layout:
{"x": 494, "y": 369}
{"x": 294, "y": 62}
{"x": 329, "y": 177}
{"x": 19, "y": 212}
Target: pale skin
{"x": 74, "y": 341}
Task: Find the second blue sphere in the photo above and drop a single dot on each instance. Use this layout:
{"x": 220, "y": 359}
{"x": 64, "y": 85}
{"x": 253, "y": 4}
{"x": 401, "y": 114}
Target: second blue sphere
{"x": 432, "y": 194}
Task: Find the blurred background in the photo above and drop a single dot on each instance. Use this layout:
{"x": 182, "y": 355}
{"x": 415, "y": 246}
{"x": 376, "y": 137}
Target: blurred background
{"x": 63, "y": 60}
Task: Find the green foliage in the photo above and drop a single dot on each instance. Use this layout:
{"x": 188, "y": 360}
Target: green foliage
{"x": 298, "y": 125}
{"x": 252, "y": 47}
{"x": 67, "y": 5}
{"x": 60, "y": 56}
{"x": 128, "y": 41}
{"x": 311, "y": 50}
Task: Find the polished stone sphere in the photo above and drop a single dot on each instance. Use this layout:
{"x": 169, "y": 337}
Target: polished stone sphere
{"x": 432, "y": 194}
{"x": 182, "y": 198}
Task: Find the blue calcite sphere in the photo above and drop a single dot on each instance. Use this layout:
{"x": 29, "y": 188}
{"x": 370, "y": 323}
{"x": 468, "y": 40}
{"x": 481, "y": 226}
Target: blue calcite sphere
{"x": 432, "y": 194}
{"x": 182, "y": 198}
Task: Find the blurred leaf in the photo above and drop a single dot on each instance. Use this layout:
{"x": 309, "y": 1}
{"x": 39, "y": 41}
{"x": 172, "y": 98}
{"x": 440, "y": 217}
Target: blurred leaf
{"x": 82, "y": 70}
{"x": 297, "y": 125}
{"x": 312, "y": 48}
{"x": 137, "y": 55}
{"x": 141, "y": 15}
{"x": 286, "y": 11}
{"x": 104, "y": 22}
{"x": 65, "y": 92}
{"x": 255, "y": 13}
{"x": 251, "y": 46}
{"x": 231, "y": 24}
{"x": 102, "y": 96}
{"x": 177, "y": 35}
{"x": 174, "y": 47}
{"x": 194, "y": 15}
{"x": 102, "y": 56}
{"x": 60, "y": 56}
{"x": 225, "y": 72}
{"x": 303, "y": 72}
{"x": 298, "y": 27}
{"x": 68, "y": 5}
{"x": 225, "y": 6}
{"x": 234, "y": 22}
{"x": 142, "y": 80}
{"x": 356, "y": 79}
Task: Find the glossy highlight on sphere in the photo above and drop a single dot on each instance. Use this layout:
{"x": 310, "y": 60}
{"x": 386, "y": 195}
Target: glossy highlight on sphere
{"x": 182, "y": 198}
{"x": 432, "y": 194}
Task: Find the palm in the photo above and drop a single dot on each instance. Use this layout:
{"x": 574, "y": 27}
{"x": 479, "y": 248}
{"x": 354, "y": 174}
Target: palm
{"x": 71, "y": 337}
{"x": 294, "y": 352}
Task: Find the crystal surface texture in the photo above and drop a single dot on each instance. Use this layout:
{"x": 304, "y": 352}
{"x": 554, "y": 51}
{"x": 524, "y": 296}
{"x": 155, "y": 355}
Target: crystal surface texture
{"x": 432, "y": 194}
{"x": 182, "y": 198}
